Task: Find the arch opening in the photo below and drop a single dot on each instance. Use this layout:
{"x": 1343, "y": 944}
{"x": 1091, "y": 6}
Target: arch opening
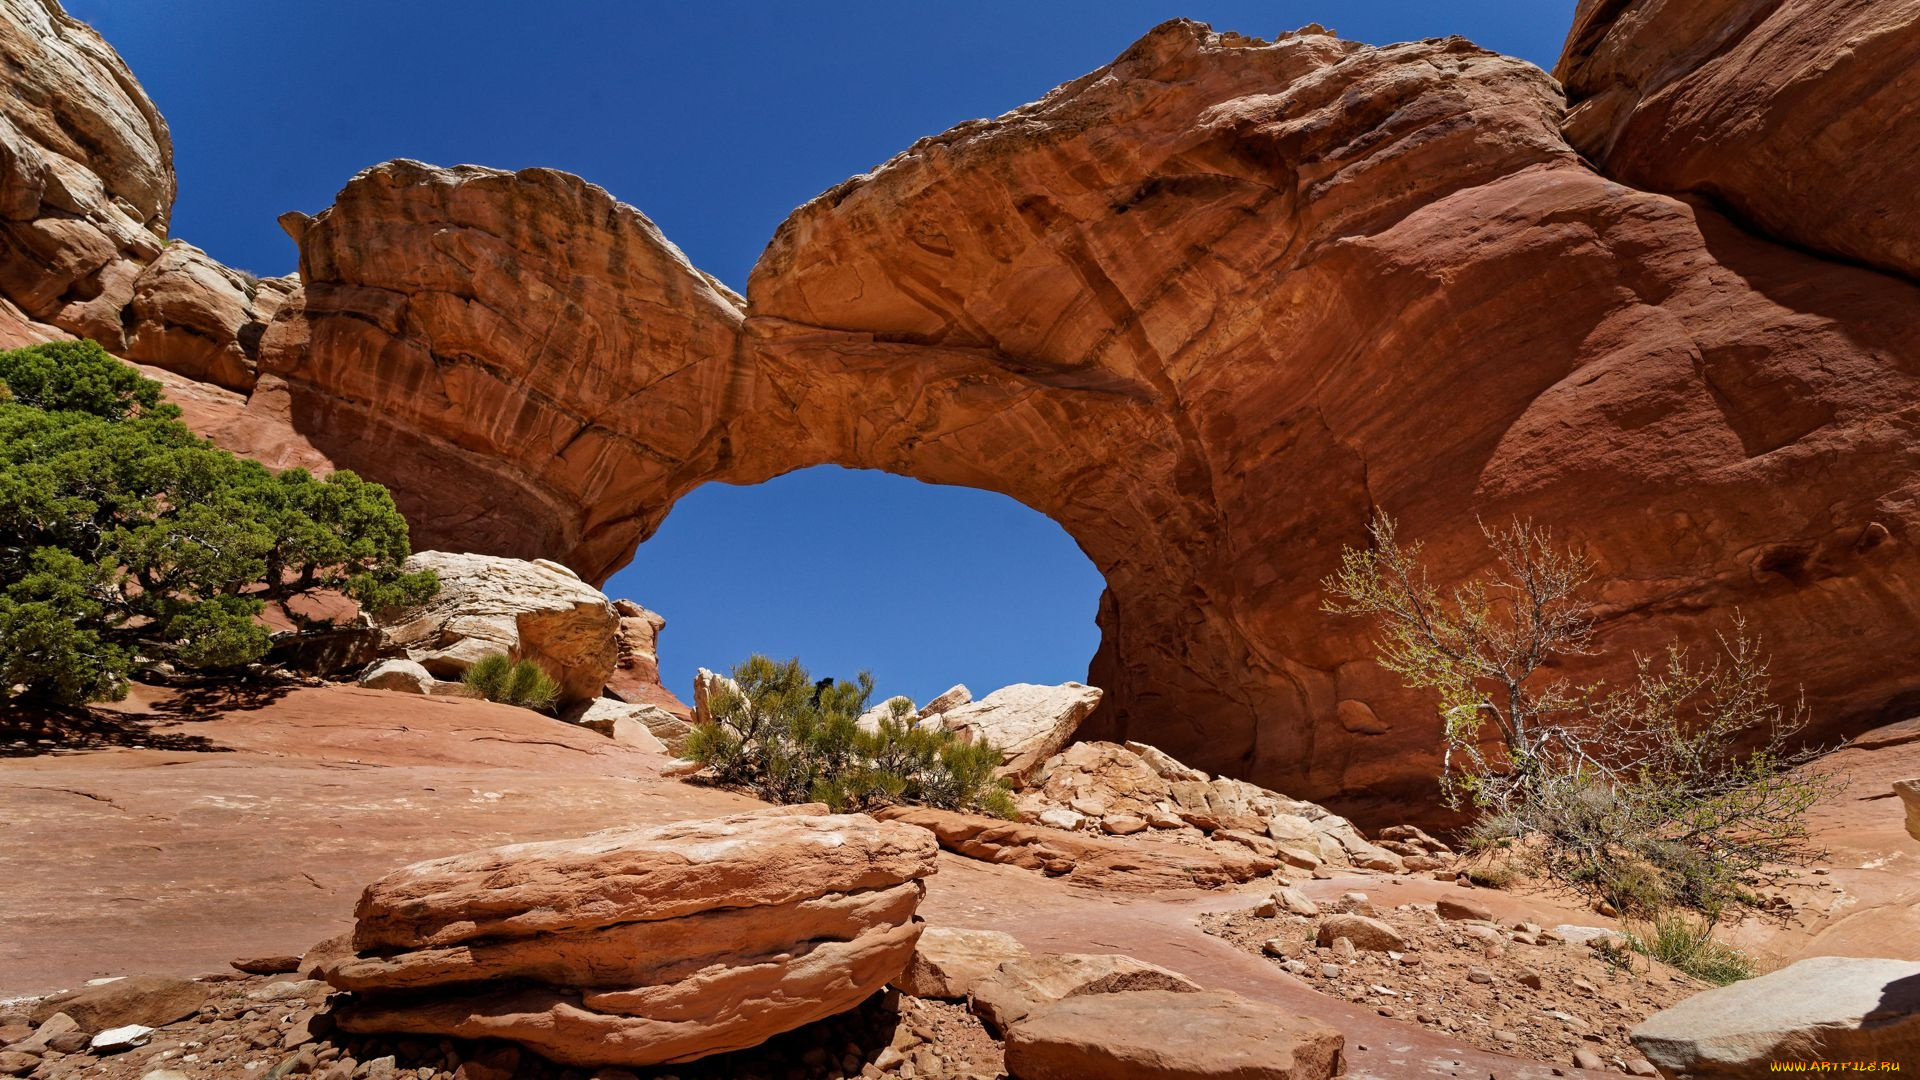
{"x": 925, "y": 585}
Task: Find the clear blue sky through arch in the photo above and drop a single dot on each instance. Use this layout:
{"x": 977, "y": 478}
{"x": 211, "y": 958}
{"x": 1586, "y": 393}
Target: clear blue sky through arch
{"x": 716, "y": 118}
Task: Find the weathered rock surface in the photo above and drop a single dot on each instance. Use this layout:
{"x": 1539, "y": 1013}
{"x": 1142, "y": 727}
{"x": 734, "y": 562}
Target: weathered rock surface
{"x": 1119, "y": 863}
{"x": 949, "y": 960}
{"x": 1826, "y": 1008}
{"x": 527, "y": 610}
{"x": 86, "y": 186}
{"x": 1796, "y": 115}
{"x": 1091, "y": 784}
{"x": 641, "y": 946}
{"x": 1021, "y": 988}
{"x": 1215, "y": 269}
{"x": 643, "y": 727}
{"x": 1367, "y": 934}
{"x": 1028, "y": 722}
{"x": 404, "y": 676}
{"x": 1159, "y": 1035}
{"x": 1909, "y": 792}
{"x": 636, "y": 673}
{"x": 151, "y": 1000}
{"x": 705, "y": 684}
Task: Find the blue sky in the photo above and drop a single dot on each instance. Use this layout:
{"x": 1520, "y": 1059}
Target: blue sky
{"x": 716, "y": 119}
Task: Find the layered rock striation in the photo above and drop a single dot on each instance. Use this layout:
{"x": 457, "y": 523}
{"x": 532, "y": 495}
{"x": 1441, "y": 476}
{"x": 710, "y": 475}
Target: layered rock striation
{"x": 1794, "y": 115}
{"x": 641, "y": 946}
{"x": 1209, "y": 308}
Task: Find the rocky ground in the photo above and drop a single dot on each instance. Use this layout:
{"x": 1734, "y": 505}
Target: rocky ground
{"x": 124, "y": 862}
{"x": 1509, "y": 987}
{"x": 251, "y": 1027}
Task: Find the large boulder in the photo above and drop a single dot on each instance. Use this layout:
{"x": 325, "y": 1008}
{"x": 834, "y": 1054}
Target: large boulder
{"x": 535, "y": 611}
{"x": 400, "y": 676}
{"x": 645, "y": 727}
{"x": 1160, "y": 1035}
{"x": 949, "y": 960}
{"x": 149, "y": 1000}
{"x": 1020, "y": 988}
{"x": 1824, "y": 1008}
{"x": 1030, "y": 723}
{"x": 641, "y": 946}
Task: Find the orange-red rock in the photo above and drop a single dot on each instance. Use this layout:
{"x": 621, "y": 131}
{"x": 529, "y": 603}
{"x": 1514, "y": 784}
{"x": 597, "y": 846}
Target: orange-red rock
{"x": 1800, "y": 116}
{"x": 1133, "y": 863}
{"x": 1208, "y": 307}
{"x": 641, "y": 946}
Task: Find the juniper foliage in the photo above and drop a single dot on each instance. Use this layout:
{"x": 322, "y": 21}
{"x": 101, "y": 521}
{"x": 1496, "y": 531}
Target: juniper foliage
{"x": 792, "y": 741}
{"x": 126, "y": 540}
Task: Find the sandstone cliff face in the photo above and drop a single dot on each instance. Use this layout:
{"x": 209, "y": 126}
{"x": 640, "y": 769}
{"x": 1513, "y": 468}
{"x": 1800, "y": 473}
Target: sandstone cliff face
{"x": 1797, "y": 115}
{"x": 1208, "y": 308}
{"x": 86, "y": 184}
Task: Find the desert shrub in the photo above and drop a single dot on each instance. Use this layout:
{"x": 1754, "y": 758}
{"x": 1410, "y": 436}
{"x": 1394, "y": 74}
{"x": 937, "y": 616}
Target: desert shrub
{"x": 499, "y": 677}
{"x": 126, "y": 540}
{"x": 792, "y": 740}
{"x": 1688, "y": 945}
{"x": 1678, "y": 788}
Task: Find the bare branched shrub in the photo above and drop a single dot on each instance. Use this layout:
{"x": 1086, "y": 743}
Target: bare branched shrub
{"x": 1678, "y": 788}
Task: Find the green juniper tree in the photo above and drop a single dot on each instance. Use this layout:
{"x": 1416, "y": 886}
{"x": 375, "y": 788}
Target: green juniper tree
{"x": 793, "y": 740}
{"x": 126, "y": 540}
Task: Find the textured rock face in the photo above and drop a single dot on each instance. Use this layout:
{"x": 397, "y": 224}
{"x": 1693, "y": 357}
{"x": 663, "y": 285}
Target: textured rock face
{"x": 1157, "y": 1035}
{"x": 1909, "y": 793}
{"x": 1795, "y": 114}
{"x": 641, "y": 946}
{"x": 949, "y": 960}
{"x": 1092, "y": 785}
{"x": 1208, "y": 308}
{"x": 636, "y": 673}
{"x": 1021, "y": 988}
{"x": 86, "y": 185}
{"x": 493, "y": 605}
{"x": 1120, "y": 863}
{"x": 1827, "y": 1008}
{"x": 1029, "y": 723}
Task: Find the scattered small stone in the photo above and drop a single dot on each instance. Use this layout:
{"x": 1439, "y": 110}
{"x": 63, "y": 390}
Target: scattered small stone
{"x": 116, "y": 1040}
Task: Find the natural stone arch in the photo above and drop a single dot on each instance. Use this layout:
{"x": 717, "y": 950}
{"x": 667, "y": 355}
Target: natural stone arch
{"x": 1207, "y": 308}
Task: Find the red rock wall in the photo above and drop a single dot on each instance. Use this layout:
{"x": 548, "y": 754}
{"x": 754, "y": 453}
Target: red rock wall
{"x": 1208, "y": 308}
{"x": 1795, "y": 115}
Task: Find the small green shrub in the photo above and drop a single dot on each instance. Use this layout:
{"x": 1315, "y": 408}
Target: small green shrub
{"x": 498, "y": 677}
{"x": 1495, "y": 875}
{"x": 792, "y": 741}
{"x": 1681, "y": 943}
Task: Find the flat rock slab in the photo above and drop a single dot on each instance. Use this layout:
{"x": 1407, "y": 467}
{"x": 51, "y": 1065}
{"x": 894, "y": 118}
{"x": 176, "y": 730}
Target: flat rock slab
{"x": 949, "y": 960}
{"x": 1021, "y": 988}
{"x": 1159, "y": 1035}
{"x": 1825, "y": 1008}
{"x": 151, "y": 1000}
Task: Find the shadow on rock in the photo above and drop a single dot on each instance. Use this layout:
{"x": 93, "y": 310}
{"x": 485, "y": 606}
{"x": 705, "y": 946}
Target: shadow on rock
{"x": 31, "y": 732}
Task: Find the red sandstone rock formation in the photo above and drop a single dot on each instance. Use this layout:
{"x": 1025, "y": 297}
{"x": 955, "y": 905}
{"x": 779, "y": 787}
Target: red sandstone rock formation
{"x": 1796, "y": 115}
{"x": 1208, "y": 308}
